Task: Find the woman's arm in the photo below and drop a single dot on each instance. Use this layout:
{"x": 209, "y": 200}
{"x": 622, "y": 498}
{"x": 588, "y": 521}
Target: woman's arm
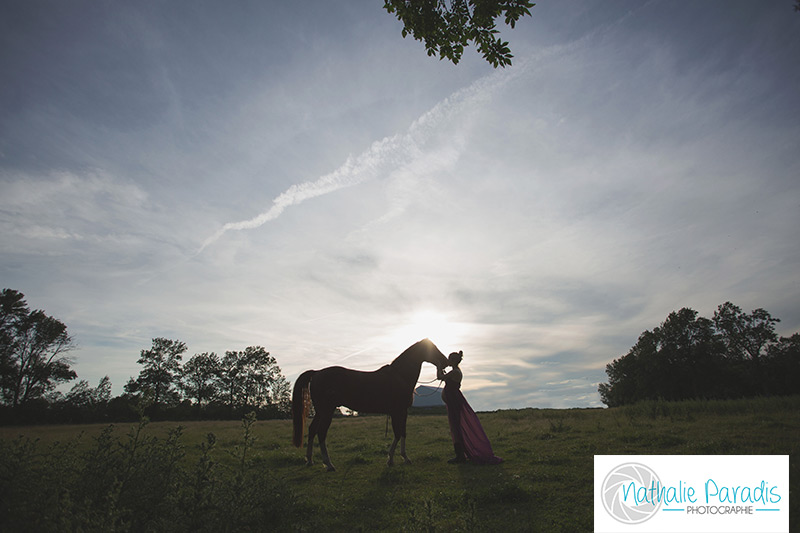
{"x": 453, "y": 377}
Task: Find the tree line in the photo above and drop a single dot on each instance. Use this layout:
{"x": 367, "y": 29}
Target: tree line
{"x": 35, "y": 359}
{"x": 734, "y": 354}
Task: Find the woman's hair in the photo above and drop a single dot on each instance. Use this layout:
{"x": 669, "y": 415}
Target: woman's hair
{"x": 455, "y": 357}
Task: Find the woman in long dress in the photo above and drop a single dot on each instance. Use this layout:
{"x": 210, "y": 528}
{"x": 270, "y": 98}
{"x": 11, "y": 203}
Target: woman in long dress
{"x": 469, "y": 439}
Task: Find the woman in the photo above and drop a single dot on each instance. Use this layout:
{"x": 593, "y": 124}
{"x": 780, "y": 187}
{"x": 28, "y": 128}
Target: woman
{"x": 469, "y": 439}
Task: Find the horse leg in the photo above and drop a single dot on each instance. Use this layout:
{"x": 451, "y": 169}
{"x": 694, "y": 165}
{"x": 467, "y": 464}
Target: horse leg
{"x": 312, "y": 432}
{"x": 403, "y": 450}
{"x": 325, "y": 423}
{"x": 399, "y": 429}
{"x": 390, "y": 462}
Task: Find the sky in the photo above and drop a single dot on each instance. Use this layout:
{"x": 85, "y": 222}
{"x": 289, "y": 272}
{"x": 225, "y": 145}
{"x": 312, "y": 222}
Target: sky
{"x": 297, "y": 176}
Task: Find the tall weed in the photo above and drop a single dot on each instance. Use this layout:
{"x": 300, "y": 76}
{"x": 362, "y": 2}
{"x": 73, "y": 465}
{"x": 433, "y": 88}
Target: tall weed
{"x": 139, "y": 483}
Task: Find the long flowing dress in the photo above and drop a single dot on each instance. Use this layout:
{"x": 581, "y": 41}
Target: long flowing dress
{"x": 465, "y": 427}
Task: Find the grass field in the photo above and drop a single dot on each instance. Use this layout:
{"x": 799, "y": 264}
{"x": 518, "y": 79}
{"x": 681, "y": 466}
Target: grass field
{"x": 544, "y": 484}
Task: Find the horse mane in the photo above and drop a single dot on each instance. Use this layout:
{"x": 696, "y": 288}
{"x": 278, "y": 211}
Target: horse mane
{"x": 409, "y": 362}
{"x": 424, "y": 343}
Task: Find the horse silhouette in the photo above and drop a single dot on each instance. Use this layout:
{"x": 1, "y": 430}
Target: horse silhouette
{"x": 388, "y": 390}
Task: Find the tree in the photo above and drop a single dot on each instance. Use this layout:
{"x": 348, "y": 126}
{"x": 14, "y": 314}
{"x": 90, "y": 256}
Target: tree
{"x": 33, "y": 348}
{"x": 160, "y": 372}
{"x": 735, "y": 354}
{"x": 624, "y": 381}
{"x": 676, "y": 360}
{"x": 199, "y": 378}
{"x": 252, "y": 378}
{"x": 83, "y": 396}
{"x": 745, "y": 336}
{"x": 447, "y": 30}
{"x": 282, "y": 394}
{"x": 747, "y": 339}
{"x": 690, "y": 355}
{"x": 783, "y": 365}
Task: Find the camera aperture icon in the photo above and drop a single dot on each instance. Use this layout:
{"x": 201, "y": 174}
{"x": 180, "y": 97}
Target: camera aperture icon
{"x": 622, "y": 492}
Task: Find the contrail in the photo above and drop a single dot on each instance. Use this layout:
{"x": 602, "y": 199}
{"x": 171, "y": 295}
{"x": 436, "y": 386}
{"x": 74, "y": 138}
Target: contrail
{"x": 353, "y": 171}
{"x": 380, "y": 158}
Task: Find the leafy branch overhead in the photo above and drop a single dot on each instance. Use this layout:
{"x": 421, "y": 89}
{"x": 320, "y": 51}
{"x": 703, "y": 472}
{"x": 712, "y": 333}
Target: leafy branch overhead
{"x": 447, "y": 28}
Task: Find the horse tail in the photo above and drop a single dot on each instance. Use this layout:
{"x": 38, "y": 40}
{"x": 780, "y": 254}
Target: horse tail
{"x": 301, "y": 401}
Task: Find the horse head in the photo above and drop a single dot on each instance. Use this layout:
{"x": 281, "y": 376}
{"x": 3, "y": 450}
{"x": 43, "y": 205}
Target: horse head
{"x": 433, "y": 355}
{"x": 410, "y": 361}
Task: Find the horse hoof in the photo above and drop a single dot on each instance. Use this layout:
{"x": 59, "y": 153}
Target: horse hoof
{"x": 330, "y": 468}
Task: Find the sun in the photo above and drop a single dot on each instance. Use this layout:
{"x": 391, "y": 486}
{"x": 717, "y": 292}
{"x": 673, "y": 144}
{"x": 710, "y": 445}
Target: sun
{"x": 444, "y": 331}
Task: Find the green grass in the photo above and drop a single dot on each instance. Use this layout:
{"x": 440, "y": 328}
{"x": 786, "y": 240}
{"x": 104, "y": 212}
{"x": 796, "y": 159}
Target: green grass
{"x": 544, "y": 484}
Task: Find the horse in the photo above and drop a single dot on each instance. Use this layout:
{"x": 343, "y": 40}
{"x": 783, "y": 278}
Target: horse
{"x": 388, "y": 390}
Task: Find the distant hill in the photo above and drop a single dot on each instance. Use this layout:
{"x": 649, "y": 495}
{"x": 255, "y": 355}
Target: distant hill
{"x": 426, "y": 396}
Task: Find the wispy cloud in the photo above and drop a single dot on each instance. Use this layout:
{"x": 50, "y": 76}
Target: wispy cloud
{"x": 66, "y": 206}
{"x": 382, "y": 157}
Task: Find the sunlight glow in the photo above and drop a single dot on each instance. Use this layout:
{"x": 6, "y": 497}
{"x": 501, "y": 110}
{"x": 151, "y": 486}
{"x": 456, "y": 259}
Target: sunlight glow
{"x": 445, "y": 333}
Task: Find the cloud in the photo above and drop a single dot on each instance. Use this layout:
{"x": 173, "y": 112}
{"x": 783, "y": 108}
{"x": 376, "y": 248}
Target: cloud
{"x": 385, "y": 156}
{"x": 35, "y": 211}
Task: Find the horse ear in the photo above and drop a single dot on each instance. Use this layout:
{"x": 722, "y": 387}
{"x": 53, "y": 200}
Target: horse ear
{"x": 461, "y": 353}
